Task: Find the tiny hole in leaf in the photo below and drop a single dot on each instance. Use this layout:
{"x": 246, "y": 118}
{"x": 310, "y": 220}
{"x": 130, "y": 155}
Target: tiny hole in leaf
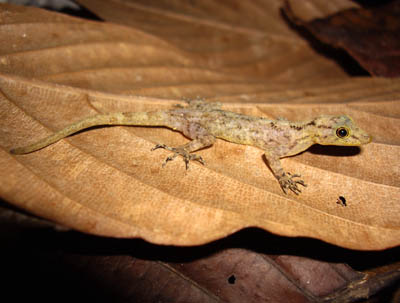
{"x": 341, "y": 200}
{"x": 232, "y": 279}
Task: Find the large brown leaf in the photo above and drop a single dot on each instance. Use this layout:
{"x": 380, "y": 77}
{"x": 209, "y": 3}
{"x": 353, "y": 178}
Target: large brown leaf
{"x": 105, "y": 181}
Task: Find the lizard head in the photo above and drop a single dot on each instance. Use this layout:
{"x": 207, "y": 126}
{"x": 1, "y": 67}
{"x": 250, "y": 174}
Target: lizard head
{"x": 338, "y": 130}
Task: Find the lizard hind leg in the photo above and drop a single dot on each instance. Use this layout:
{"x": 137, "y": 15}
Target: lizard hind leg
{"x": 186, "y": 149}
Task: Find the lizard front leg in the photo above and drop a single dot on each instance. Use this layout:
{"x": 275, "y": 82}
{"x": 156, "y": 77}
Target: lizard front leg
{"x": 186, "y": 149}
{"x": 285, "y": 179}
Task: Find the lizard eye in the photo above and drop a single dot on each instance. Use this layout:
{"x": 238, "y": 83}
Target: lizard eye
{"x": 342, "y": 132}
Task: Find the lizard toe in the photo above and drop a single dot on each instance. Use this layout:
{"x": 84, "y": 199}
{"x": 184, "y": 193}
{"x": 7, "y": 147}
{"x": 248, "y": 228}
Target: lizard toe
{"x": 288, "y": 182}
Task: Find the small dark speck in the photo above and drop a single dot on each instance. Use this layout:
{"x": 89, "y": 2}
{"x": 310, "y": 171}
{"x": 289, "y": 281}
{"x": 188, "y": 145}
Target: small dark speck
{"x": 232, "y": 279}
{"x": 341, "y": 200}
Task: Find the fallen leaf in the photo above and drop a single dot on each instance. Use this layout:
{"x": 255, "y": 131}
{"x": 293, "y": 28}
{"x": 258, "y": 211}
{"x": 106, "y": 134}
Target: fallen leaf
{"x": 370, "y": 36}
{"x": 316, "y": 9}
{"x": 103, "y": 270}
{"x": 107, "y": 182}
{"x": 111, "y": 58}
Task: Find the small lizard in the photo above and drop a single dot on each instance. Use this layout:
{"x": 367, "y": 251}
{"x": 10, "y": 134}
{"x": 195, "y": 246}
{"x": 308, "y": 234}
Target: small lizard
{"x": 204, "y": 122}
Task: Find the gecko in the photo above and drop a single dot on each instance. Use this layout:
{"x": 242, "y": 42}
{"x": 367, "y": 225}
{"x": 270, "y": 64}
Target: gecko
{"x": 204, "y": 122}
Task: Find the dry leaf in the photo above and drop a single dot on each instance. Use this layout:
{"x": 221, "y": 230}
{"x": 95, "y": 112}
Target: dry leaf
{"x": 317, "y": 9}
{"x": 103, "y": 270}
{"x": 371, "y": 36}
{"x": 231, "y": 275}
{"x": 106, "y": 181}
{"x": 185, "y": 63}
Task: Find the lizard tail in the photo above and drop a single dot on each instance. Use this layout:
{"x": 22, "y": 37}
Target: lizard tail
{"x": 156, "y": 118}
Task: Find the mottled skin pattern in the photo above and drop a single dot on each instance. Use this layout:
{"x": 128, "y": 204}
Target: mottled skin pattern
{"x": 204, "y": 122}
